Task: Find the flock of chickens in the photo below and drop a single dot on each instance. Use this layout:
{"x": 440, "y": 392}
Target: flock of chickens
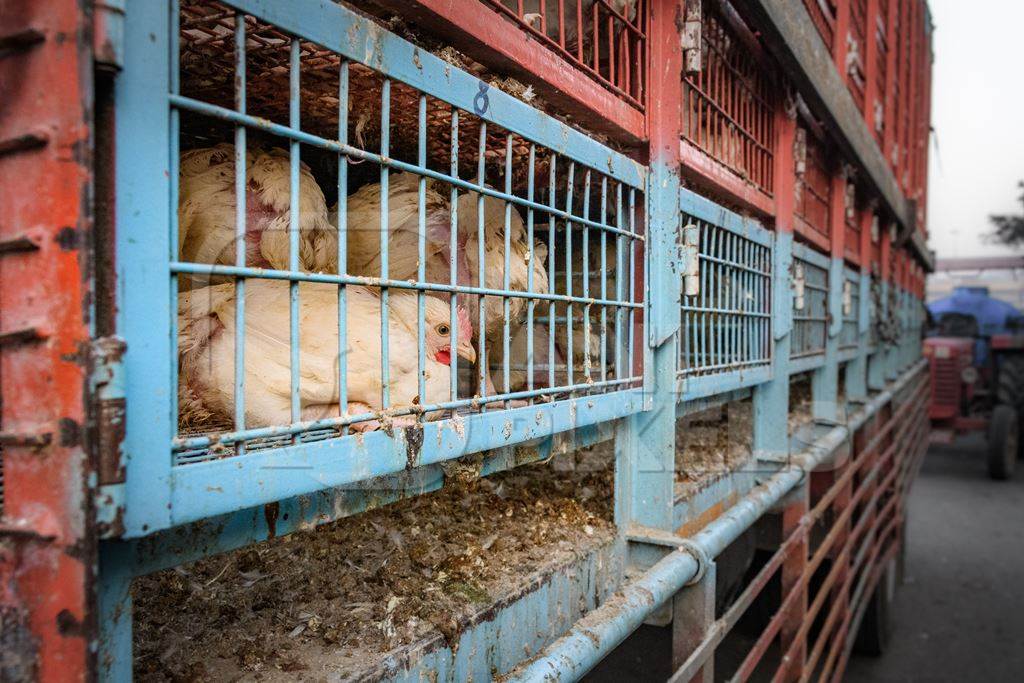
{"x": 207, "y": 315}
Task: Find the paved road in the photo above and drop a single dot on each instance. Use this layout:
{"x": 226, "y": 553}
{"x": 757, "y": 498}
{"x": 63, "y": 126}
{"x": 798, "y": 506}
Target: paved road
{"x": 960, "y": 614}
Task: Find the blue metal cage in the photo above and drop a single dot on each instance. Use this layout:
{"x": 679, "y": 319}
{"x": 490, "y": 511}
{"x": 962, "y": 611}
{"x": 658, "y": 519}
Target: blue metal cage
{"x": 810, "y": 307}
{"x": 725, "y": 341}
{"x": 338, "y": 105}
{"x": 849, "y": 336}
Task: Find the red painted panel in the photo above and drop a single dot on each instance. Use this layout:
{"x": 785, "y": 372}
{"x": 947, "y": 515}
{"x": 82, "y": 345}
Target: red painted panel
{"x": 489, "y": 36}
{"x": 728, "y": 104}
{"x": 814, "y": 190}
{"x": 47, "y": 551}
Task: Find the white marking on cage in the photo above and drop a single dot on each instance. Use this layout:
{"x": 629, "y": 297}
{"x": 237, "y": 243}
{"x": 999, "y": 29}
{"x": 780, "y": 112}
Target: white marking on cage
{"x": 691, "y": 260}
{"x": 799, "y": 281}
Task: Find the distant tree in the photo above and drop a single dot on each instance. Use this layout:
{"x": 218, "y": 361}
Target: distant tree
{"x": 1009, "y": 229}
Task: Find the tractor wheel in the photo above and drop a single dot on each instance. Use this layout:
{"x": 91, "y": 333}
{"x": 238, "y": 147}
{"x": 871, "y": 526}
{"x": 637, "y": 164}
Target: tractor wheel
{"x": 1010, "y": 388}
{"x": 1003, "y": 442}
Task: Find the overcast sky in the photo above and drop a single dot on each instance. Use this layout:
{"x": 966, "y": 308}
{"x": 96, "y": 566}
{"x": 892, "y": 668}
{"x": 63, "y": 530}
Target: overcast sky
{"x": 978, "y": 116}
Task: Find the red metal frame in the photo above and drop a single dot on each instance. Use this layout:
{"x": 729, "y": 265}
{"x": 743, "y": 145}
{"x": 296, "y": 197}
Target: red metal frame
{"x": 610, "y": 48}
{"x": 862, "y": 501}
{"x": 728, "y": 105}
{"x": 47, "y": 541}
{"x": 500, "y": 41}
{"x": 856, "y": 61}
{"x": 814, "y": 193}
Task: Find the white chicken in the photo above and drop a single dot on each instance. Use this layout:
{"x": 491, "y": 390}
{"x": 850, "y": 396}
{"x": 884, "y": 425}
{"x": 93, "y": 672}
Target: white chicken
{"x": 363, "y": 229}
{"x": 207, "y": 340}
{"x": 494, "y": 260}
{"x": 363, "y": 248}
{"x": 586, "y": 339}
{"x": 206, "y": 212}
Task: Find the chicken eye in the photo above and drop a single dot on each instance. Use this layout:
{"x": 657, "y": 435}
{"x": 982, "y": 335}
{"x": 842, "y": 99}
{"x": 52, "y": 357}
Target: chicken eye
{"x": 442, "y": 330}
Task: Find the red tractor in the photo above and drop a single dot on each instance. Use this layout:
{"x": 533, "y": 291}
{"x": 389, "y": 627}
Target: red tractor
{"x": 976, "y": 356}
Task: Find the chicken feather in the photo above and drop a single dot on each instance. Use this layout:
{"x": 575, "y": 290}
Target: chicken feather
{"x": 208, "y": 336}
{"x": 207, "y": 204}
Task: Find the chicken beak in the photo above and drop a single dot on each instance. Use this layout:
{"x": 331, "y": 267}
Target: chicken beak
{"x": 466, "y": 351}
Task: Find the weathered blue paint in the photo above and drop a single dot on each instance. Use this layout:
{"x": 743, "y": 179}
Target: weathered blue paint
{"x": 771, "y": 399}
{"x": 645, "y": 442}
{"x": 825, "y": 380}
{"x": 857, "y": 368}
{"x": 194, "y": 484}
{"x": 220, "y": 486}
{"x": 146, "y": 212}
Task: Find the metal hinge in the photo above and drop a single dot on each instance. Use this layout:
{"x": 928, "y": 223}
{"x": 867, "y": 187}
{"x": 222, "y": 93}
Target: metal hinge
{"x": 690, "y": 38}
{"x": 690, "y": 258}
{"x": 109, "y": 406}
{"x": 799, "y": 280}
{"x": 847, "y": 298}
{"x": 800, "y": 152}
{"x": 109, "y": 412}
{"x": 851, "y": 199}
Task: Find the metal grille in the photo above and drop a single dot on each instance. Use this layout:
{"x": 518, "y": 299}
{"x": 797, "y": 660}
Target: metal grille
{"x": 441, "y": 283}
{"x": 813, "y": 190}
{"x": 849, "y": 336}
{"x": 946, "y": 382}
{"x": 823, "y": 14}
{"x": 606, "y": 39}
{"x": 726, "y": 324}
{"x": 857, "y": 50}
{"x": 810, "y": 302}
{"x": 729, "y": 104}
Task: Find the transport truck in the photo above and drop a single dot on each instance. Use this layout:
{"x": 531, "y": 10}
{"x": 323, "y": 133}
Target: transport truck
{"x": 489, "y": 340}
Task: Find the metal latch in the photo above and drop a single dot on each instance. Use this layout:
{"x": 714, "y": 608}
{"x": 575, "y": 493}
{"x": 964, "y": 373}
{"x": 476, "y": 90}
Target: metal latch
{"x": 799, "y": 280}
{"x": 691, "y": 260}
{"x": 109, "y": 407}
{"x": 847, "y": 298}
{"x": 800, "y": 152}
{"x": 876, "y": 230}
{"x": 690, "y": 38}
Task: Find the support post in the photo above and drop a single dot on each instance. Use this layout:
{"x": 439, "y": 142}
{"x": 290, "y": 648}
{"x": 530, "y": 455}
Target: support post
{"x": 857, "y": 369}
{"x": 793, "y": 569}
{"x": 115, "y": 612}
{"x": 771, "y": 399}
{"x": 825, "y": 380}
{"x": 645, "y": 442}
{"x": 693, "y": 614}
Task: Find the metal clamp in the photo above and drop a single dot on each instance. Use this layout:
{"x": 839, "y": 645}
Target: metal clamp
{"x": 698, "y": 553}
